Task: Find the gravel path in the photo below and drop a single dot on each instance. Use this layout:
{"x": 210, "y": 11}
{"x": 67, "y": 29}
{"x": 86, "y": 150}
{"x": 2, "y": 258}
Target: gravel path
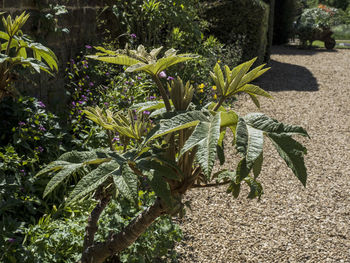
{"x": 291, "y": 223}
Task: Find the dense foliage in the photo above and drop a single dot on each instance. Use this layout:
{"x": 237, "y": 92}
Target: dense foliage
{"x": 224, "y": 21}
{"x": 172, "y": 150}
{"x": 134, "y": 143}
{"x": 14, "y": 53}
{"x": 286, "y": 12}
{"x": 315, "y": 22}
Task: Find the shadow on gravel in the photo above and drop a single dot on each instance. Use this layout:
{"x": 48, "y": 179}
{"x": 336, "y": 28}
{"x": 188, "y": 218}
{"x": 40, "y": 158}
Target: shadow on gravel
{"x": 294, "y": 50}
{"x": 284, "y": 77}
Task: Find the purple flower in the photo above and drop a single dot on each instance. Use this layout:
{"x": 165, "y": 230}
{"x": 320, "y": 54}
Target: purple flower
{"x": 40, "y": 149}
{"x": 91, "y": 84}
{"x": 170, "y": 78}
{"x": 23, "y": 172}
{"x": 162, "y": 74}
{"x": 106, "y": 104}
{"x": 107, "y": 73}
{"x": 87, "y": 91}
{"x": 127, "y": 82}
{"x": 139, "y": 78}
{"x": 133, "y": 35}
{"x": 41, "y": 104}
{"x": 115, "y": 139}
{"x": 146, "y": 112}
{"x": 84, "y": 97}
{"x": 21, "y": 123}
{"x": 11, "y": 240}
{"x": 88, "y": 46}
{"x": 87, "y": 77}
{"x": 42, "y": 128}
{"x": 73, "y": 103}
{"x": 80, "y": 102}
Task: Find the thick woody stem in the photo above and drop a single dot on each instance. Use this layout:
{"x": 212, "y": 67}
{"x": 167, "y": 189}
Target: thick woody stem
{"x": 98, "y": 253}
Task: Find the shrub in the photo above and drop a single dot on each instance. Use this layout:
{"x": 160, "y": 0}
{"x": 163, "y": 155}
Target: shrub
{"x": 172, "y": 151}
{"x": 58, "y": 236}
{"x": 13, "y": 54}
{"x": 30, "y": 137}
{"x": 232, "y": 20}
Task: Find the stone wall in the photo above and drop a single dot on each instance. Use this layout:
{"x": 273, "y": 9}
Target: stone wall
{"x": 81, "y": 22}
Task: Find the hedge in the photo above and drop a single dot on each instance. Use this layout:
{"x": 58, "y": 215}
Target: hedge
{"x": 233, "y": 19}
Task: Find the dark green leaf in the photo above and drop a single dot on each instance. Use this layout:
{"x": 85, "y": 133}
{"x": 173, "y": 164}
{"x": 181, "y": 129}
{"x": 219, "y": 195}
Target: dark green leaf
{"x": 293, "y": 154}
{"x": 264, "y": 123}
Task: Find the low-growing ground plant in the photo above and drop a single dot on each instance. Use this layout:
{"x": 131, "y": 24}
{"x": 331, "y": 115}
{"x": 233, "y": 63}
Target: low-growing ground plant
{"x": 173, "y": 149}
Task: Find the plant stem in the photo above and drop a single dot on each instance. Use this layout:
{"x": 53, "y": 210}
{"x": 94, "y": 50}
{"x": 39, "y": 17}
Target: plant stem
{"x": 117, "y": 242}
{"x": 220, "y": 102}
{"x": 92, "y": 227}
{"x": 162, "y": 92}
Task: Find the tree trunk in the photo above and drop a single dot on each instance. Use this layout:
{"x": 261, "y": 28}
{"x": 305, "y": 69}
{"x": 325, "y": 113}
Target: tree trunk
{"x": 99, "y": 252}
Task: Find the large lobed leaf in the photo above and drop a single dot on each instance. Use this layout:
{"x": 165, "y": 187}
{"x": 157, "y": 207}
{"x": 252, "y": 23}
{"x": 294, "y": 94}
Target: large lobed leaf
{"x": 179, "y": 122}
{"x": 205, "y": 136}
{"x": 264, "y": 123}
{"x": 93, "y": 180}
{"x": 126, "y": 182}
{"x": 293, "y": 154}
{"x": 249, "y": 142}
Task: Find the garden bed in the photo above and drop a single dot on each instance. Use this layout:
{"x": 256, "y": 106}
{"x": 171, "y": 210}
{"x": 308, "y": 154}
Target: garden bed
{"x": 290, "y": 223}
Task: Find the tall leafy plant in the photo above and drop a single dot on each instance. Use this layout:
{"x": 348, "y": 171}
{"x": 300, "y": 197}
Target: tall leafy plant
{"x": 13, "y": 53}
{"x": 175, "y": 150}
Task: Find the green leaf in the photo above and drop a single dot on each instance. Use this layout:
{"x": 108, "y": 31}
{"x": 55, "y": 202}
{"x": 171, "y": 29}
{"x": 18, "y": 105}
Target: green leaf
{"x": 254, "y": 99}
{"x": 65, "y": 171}
{"x": 228, "y": 119}
{"x": 148, "y": 106}
{"x": 224, "y": 176}
{"x": 255, "y": 90}
{"x": 179, "y": 122}
{"x": 3, "y": 35}
{"x": 253, "y": 74}
{"x": 256, "y": 189}
{"x": 126, "y": 183}
{"x": 220, "y": 76}
{"x": 206, "y": 136}
{"x": 44, "y": 53}
{"x": 234, "y": 189}
{"x": 249, "y": 142}
{"x": 52, "y": 167}
{"x": 165, "y": 168}
{"x": 119, "y": 60}
{"x": 293, "y": 154}
{"x": 93, "y": 180}
{"x": 221, "y": 154}
{"x": 237, "y": 75}
{"x": 264, "y": 123}
{"x": 242, "y": 171}
{"x": 258, "y": 165}
{"x": 160, "y": 187}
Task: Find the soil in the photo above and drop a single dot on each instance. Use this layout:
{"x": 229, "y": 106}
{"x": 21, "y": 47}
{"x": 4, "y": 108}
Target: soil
{"x": 290, "y": 223}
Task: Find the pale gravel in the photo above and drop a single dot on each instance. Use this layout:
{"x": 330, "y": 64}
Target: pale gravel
{"x": 291, "y": 223}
